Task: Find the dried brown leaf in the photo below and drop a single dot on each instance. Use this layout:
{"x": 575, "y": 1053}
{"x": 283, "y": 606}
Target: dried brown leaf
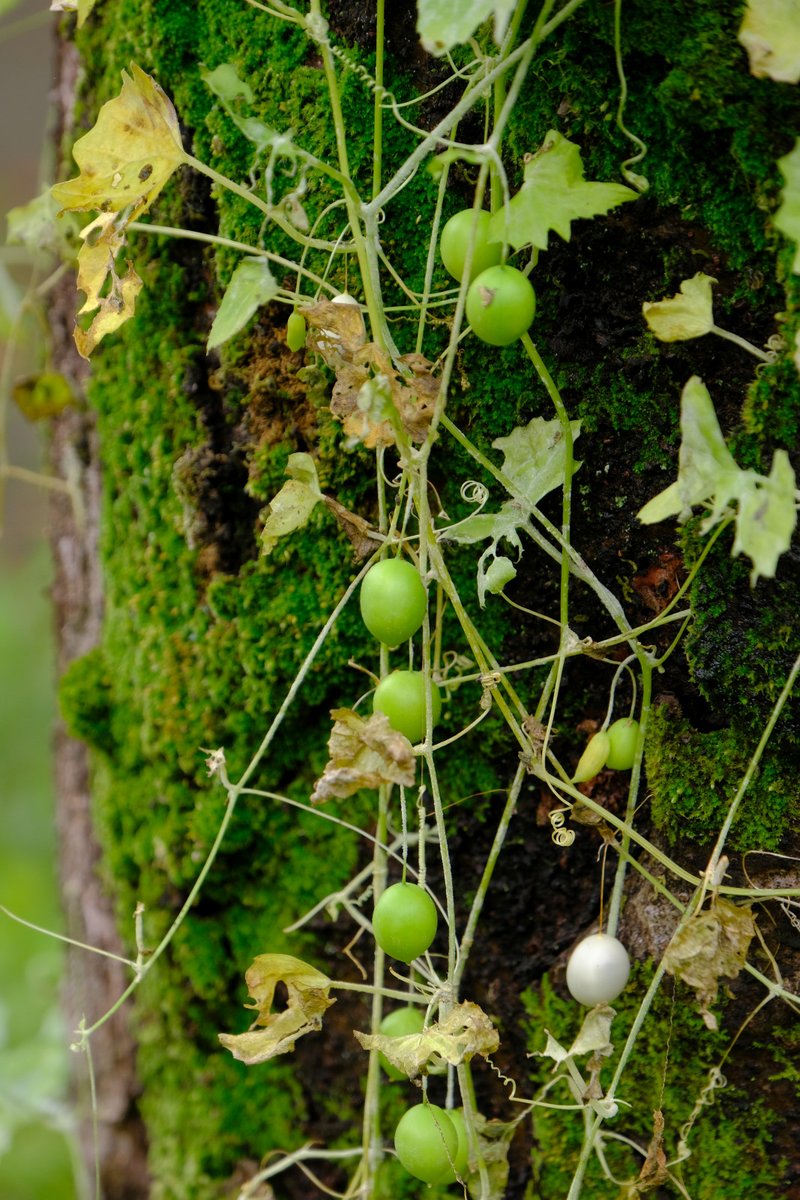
{"x": 363, "y": 754}
{"x": 712, "y": 945}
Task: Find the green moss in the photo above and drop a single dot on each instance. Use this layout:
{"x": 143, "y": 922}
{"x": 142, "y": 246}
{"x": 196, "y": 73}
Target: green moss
{"x": 693, "y": 778}
{"x": 668, "y": 1071}
{"x": 86, "y": 700}
{"x": 202, "y": 636}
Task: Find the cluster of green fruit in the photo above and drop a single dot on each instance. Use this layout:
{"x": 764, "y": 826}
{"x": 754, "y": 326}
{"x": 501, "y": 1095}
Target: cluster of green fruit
{"x": 500, "y": 300}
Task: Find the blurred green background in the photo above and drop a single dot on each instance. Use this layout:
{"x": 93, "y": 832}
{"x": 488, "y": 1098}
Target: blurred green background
{"x": 36, "y": 1155}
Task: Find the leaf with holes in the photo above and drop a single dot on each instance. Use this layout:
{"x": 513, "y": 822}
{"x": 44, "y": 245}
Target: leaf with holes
{"x": 458, "y": 1037}
{"x": 129, "y": 154}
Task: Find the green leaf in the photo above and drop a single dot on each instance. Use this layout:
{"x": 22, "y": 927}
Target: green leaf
{"x": 37, "y": 226}
{"x": 767, "y": 516}
{"x": 770, "y": 33}
{"x": 228, "y": 87}
{"x": 554, "y": 194}
{"x": 787, "y": 218}
{"x": 500, "y": 571}
{"x": 226, "y": 84}
{"x": 706, "y": 468}
{"x": 688, "y": 314}
{"x": 535, "y": 456}
{"x": 252, "y": 284}
{"x": 766, "y": 505}
{"x": 294, "y": 503}
{"x": 441, "y": 24}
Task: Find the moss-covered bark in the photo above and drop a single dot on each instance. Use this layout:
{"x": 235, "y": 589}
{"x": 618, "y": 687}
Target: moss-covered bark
{"x": 201, "y": 635}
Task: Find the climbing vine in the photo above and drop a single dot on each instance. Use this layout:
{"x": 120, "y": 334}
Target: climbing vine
{"x": 387, "y": 353}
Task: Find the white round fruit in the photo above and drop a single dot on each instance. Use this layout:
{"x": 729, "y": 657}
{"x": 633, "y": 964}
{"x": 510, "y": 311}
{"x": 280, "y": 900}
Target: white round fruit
{"x": 598, "y": 969}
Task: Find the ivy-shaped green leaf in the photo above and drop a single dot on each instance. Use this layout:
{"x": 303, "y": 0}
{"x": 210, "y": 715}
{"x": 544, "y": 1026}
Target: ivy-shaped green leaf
{"x": 554, "y": 194}
{"x": 767, "y": 516}
{"x": 770, "y": 33}
{"x": 535, "y": 457}
{"x": 706, "y": 467}
{"x": 442, "y": 24}
{"x": 252, "y": 284}
{"x": 708, "y": 474}
{"x": 787, "y": 218}
{"x": 294, "y": 503}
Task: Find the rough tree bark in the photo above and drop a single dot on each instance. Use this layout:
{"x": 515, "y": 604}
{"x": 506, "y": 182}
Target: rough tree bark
{"x": 176, "y": 634}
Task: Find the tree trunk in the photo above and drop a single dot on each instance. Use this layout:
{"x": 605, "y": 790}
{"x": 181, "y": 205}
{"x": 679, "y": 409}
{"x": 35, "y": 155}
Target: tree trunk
{"x": 180, "y": 635}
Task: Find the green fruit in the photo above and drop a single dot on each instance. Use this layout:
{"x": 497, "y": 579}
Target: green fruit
{"x": 404, "y": 921}
{"x": 426, "y": 1142}
{"x": 594, "y": 757}
{"x": 455, "y": 240}
{"x": 460, "y": 1165}
{"x": 401, "y": 697}
{"x": 393, "y": 601}
{"x": 623, "y": 740}
{"x": 401, "y": 1023}
{"x": 296, "y": 331}
{"x": 500, "y": 305}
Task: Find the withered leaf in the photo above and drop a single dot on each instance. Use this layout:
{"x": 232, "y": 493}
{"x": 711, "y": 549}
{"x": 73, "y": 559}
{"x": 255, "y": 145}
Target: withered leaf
{"x": 274, "y": 1033}
{"x": 112, "y": 311}
{"x": 463, "y": 1033}
{"x": 713, "y": 944}
{"x": 363, "y": 538}
{"x": 370, "y": 392}
{"x": 363, "y": 754}
{"x": 654, "y": 1171}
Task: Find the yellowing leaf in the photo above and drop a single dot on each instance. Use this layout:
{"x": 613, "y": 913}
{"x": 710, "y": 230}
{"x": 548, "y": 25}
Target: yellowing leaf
{"x": 82, "y": 7}
{"x": 463, "y": 1033}
{"x": 129, "y": 154}
{"x": 770, "y": 33}
{"x": 294, "y": 503}
{"x": 712, "y": 945}
{"x": 370, "y": 393}
{"x": 113, "y": 310}
{"x": 43, "y": 395}
{"x": 274, "y": 1033}
{"x": 688, "y": 314}
{"x": 787, "y": 218}
{"x": 554, "y": 194}
{"x": 363, "y": 754}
